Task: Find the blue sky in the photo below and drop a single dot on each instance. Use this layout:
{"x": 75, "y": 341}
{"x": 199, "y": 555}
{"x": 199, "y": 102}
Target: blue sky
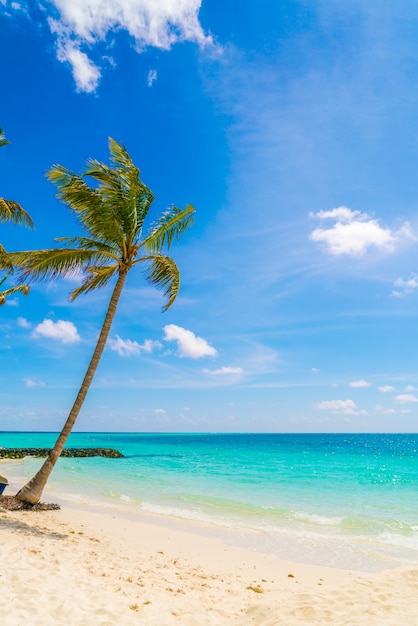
{"x": 292, "y": 127}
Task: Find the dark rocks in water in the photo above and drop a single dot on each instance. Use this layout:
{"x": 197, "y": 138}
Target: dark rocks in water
{"x": 20, "y": 453}
{"x": 10, "y": 503}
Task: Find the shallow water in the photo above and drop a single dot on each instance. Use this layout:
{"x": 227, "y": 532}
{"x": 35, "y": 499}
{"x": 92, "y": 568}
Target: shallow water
{"x": 341, "y": 500}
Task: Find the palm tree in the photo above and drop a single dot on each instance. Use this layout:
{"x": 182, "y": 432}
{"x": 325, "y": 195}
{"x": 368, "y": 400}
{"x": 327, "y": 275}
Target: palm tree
{"x": 112, "y": 215}
{"x": 11, "y": 211}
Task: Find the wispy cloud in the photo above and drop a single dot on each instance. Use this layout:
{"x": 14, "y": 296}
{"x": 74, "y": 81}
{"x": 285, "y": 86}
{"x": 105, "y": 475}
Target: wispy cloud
{"x": 189, "y": 345}
{"x": 60, "y": 330}
{"x": 151, "y": 78}
{"x": 359, "y": 383}
{"x": 79, "y": 25}
{"x": 387, "y": 389}
{"x": 354, "y": 233}
{"x": 85, "y": 73}
{"x": 23, "y": 322}
{"x": 127, "y": 347}
{"x": 160, "y": 414}
{"x": 30, "y": 382}
{"x": 405, "y": 287}
{"x": 383, "y": 410}
{"x": 13, "y": 6}
{"x": 345, "y": 407}
{"x": 225, "y": 371}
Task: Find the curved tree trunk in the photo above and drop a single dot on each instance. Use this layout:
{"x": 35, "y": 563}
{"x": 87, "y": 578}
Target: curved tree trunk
{"x": 32, "y": 491}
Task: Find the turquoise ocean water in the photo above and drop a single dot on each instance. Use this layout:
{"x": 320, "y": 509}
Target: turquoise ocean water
{"x": 348, "y": 501}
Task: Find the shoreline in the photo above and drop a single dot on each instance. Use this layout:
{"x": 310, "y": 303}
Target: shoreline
{"x": 79, "y": 566}
{"x": 317, "y": 549}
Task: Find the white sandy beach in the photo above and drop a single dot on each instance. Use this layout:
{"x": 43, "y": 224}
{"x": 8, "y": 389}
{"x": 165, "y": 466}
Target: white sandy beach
{"x": 82, "y": 568}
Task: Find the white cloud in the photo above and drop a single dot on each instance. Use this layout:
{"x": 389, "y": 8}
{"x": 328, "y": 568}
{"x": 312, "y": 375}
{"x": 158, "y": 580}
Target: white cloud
{"x": 383, "y": 410}
{"x": 386, "y": 388}
{"x": 405, "y": 398}
{"x": 225, "y": 371}
{"x": 405, "y": 287}
{"x": 81, "y": 24}
{"x": 23, "y": 322}
{"x": 152, "y": 77}
{"x": 359, "y": 383}
{"x": 354, "y": 233}
{"x": 160, "y": 415}
{"x": 63, "y": 331}
{"x": 410, "y": 388}
{"x": 127, "y": 347}
{"x": 346, "y": 407}
{"x": 29, "y": 382}
{"x": 86, "y": 74}
{"x": 189, "y": 344}
{"x": 341, "y": 214}
{"x": 315, "y": 370}
{"x": 14, "y": 6}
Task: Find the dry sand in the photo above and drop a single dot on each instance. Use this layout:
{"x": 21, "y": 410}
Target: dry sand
{"x": 80, "y": 568}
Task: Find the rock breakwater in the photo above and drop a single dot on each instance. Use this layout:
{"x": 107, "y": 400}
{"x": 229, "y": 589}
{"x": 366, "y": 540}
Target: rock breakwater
{"x": 20, "y": 453}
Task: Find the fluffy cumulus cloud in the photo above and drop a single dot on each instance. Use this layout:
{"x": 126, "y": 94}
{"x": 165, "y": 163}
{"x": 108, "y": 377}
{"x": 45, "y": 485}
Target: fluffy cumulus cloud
{"x": 79, "y": 25}
{"x": 406, "y": 398}
{"x": 346, "y": 407}
{"x": 127, "y": 347}
{"x": 405, "y": 287}
{"x": 359, "y": 383}
{"x": 222, "y": 371}
{"x": 60, "y": 330}
{"x": 189, "y": 345}
{"x": 354, "y": 233}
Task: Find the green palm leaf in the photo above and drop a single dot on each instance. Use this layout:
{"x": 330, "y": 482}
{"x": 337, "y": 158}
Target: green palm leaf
{"x": 163, "y": 273}
{"x": 97, "y": 277}
{"x": 24, "y": 289}
{"x": 3, "y": 140}
{"x": 171, "y": 225}
{"x": 57, "y": 262}
{"x": 11, "y": 211}
{"x": 86, "y": 243}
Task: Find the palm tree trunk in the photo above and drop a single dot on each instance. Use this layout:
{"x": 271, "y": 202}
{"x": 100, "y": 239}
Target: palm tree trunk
{"x": 32, "y": 491}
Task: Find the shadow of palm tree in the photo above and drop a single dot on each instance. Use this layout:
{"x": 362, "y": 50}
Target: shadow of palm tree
{"x": 23, "y": 527}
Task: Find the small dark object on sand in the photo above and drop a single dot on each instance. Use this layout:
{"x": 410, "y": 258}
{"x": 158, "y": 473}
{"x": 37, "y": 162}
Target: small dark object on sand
{"x": 10, "y": 503}
{"x": 3, "y": 484}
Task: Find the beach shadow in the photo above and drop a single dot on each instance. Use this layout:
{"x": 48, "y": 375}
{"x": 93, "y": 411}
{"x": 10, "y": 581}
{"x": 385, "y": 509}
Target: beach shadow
{"x": 25, "y": 528}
